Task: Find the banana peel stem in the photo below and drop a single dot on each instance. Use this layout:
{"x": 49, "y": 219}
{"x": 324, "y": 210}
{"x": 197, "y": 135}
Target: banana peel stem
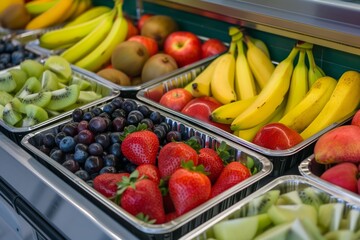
{"x": 311, "y": 60}
{"x": 293, "y": 53}
{"x": 232, "y": 48}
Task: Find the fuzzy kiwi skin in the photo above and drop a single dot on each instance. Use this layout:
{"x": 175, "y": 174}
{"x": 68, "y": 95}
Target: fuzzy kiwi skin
{"x": 116, "y": 76}
{"x": 157, "y": 66}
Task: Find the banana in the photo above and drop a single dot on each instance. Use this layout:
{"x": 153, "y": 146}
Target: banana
{"x": 51, "y": 16}
{"x": 81, "y": 8}
{"x": 228, "y": 112}
{"x": 342, "y": 103}
{"x": 260, "y": 64}
{"x": 249, "y": 134}
{"x": 299, "y": 117}
{"x": 244, "y": 80}
{"x": 260, "y": 44}
{"x": 222, "y": 81}
{"x": 38, "y": 7}
{"x": 298, "y": 83}
{"x": 88, "y": 43}
{"x": 90, "y": 14}
{"x": 270, "y": 96}
{"x": 315, "y": 71}
{"x": 200, "y": 86}
{"x": 102, "y": 54}
{"x": 63, "y": 36}
{"x": 69, "y": 13}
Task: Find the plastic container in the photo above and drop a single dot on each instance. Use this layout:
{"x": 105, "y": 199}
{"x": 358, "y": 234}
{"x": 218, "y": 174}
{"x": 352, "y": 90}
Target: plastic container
{"x": 312, "y": 170}
{"x": 281, "y": 159}
{"x": 17, "y": 133}
{"x": 181, "y": 225}
{"x": 284, "y": 184}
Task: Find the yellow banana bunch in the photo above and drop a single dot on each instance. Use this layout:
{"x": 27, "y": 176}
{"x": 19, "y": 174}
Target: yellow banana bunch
{"x": 342, "y": 103}
{"x": 82, "y": 7}
{"x": 222, "y": 81}
{"x": 270, "y": 96}
{"x": 228, "y": 112}
{"x": 260, "y": 64}
{"x": 299, "y": 117}
{"x": 298, "y": 83}
{"x": 200, "y": 86}
{"x": 101, "y": 55}
{"x": 260, "y": 44}
{"x": 249, "y": 134}
{"x": 88, "y": 15}
{"x": 90, "y": 41}
{"x": 52, "y": 16}
{"x": 39, "y": 6}
{"x": 69, "y": 35}
{"x": 315, "y": 71}
{"x": 244, "y": 80}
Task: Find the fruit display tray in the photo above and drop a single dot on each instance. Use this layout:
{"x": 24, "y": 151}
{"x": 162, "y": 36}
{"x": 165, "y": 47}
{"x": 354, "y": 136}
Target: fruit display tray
{"x": 180, "y": 225}
{"x": 285, "y": 184}
{"x": 312, "y": 170}
{"x": 282, "y": 160}
{"x": 108, "y": 93}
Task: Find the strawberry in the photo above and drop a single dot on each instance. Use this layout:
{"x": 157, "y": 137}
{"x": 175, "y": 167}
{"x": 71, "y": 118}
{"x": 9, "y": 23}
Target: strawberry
{"x": 150, "y": 171}
{"x": 106, "y": 183}
{"x": 171, "y": 155}
{"x": 170, "y": 216}
{"x": 168, "y": 204}
{"x": 189, "y": 187}
{"x": 139, "y": 145}
{"x": 142, "y": 198}
{"x": 233, "y": 173}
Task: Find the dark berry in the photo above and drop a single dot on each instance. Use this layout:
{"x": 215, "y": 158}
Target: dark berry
{"x": 115, "y": 149}
{"x": 155, "y": 117}
{"x": 118, "y": 101}
{"x": 129, "y": 105}
{"x": 173, "y": 136}
{"x": 80, "y": 156}
{"x": 77, "y": 114}
{"x": 70, "y": 129}
{"x": 111, "y": 160}
{"x": 17, "y": 57}
{"x": 115, "y": 137}
{"x": 9, "y": 47}
{"x": 93, "y": 164}
{"x": 82, "y": 125}
{"x": 67, "y": 144}
{"x": 58, "y": 156}
{"x": 84, "y": 175}
{"x": 108, "y": 169}
{"x": 119, "y": 112}
{"x": 98, "y": 124}
{"x": 5, "y": 58}
{"x": 71, "y": 165}
{"x": 45, "y": 149}
{"x": 95, "y": 149}
{"x": 58, "y": 137}
{"x": 85, "y": 137}
{"x": 160, "y": 133}
{"x": 148, "y": 122}
{"x": 134, "y": 117}
{"x": 144, "y": 110}
{"x": 130, "y": 167}
{"x": 103, "y": 139}
{"x": 118, "y": 124}
{"x": 109, "y": 108}
{"x": 96, "y": 111}
{"x": 88, "y": 116}
{"x": 49, "y": 140}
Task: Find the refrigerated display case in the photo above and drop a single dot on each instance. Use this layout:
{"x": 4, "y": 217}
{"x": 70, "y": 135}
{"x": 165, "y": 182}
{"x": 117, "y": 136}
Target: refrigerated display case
{"x": 37, "y": 204}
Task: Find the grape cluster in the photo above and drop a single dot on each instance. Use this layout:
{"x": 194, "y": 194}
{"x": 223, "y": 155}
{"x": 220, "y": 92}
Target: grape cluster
{"x": 12, "y": 54}
{"x": 90, "y": 144}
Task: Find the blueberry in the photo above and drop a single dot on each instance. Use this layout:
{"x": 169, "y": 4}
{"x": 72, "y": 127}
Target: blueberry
{"x": 57, "y": 155}
{"x": 2, "y": 66}
{"x": 130, "y": 167}
{"x": 109, "y": 108}
{"x": 49, "y": 140}
{"x": 58, "y": 137}
{"x": 96, "y": 111}
{"x": 81, "y": 156}
{"x": 118, "y": 124}
{"x": 93, "y": 164}
{"x": 9, "y": 47}
{"x": 119, "y": 112}
{"x": 67, "y": 144}
{"x": 129, "y": 105}
{"x": 135, "y": 117}
{"x": 107, "y": 169}
{"x": 148, "y": 122}
{"x": 5, "y": 58}
{"x": 115, "y": 149}
{"x": 81, "y": 146}
{"x": 144, "y": 110}
{"x": 98, "y": 124}
{"x": 173, "y": 136}
{"x": 77, "y": 114}
{"x": 103, "y": 139}
{"x": 84, "y": 175}
{"x": 17, "y": 57}
{"x": 30, "y": 55}
{"x": 95, "y": 149}
{"x": 44, "y": 149}
{"x": 155, "y": 117}
{"x": 88, "y": 116}
{"x": 71, "y": 165}
{"x": 160, "y": 133}
{"x": 115, "y": 137}
{"x": 2, "y": 47}
{"x": 111, "y": 160}
{"x": 118, "y": 101}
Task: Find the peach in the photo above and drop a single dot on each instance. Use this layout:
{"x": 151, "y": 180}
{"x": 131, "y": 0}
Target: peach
{"x": 356, "y": 119}
{"x": 343, "y": 175}
{"x": 341, "y": 144}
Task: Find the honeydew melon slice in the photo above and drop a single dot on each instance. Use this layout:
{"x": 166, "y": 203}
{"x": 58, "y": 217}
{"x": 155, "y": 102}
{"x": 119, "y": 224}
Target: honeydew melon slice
{"x": 353, "y": 220}
{"x": 301, "y": 231}
{"x": 289, "y": 198}
{"x": 340, "y": 235}
{"x": 279, "y": 232}
{"x": 330, "y": 216}
{"x": 262, "y": 203}
{"x": 280, "y": 214}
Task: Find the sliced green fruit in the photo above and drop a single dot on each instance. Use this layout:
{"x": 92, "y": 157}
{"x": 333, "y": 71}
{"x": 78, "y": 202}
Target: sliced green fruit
{"x": 310, "y": 196}
{"x": 83, "y": 84}
{"x": 353, "y": 220}
{"x": 60, "y": 66}
{"x": 279, "y": 232}
{"x": 5, "y": 97}
{"x": 340, "y": 235}
{"x": 85, "y": 97}
{"x": 10, "y": 116}
{"x": 49, "y": 81}
{"x": 262, "y": 203}
{"x": 40, "y": 99}
{"x": 63, "y": 97}
{"x": 289, "y": 198}
{"x": 234, "y": 228}
{"x": 330, "y": 216}
{"x": 19, "y": 76}
{"x": 34, "y": 115}
{"x": 1, "y": 111}
{"x": 32, "y": 85}
{"x": 300, "y": 232}
{"x": 311, "y": 229}
{"x": 7, "y": 82}
{"x": 17, "y": 105}
{"x": 32, "y": 68}
{"x": 287, "y": 213}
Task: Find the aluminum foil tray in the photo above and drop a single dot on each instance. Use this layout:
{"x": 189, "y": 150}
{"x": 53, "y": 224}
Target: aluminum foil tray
{"x": 284, "y": 184}
{"x": 181, "y": 225}
{"x": 312, "y": 170}
{"x": 108, "y": 93}
{"x": 282, "y": 160}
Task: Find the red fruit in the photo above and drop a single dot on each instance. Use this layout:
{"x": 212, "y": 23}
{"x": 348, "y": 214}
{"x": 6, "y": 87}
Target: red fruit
{"x": 150, "y": 171}
{"x": 343, "y": 175}
{"x": 277, "y": 136}
{"x": 176, "y": 99}
{"x": 233, "y": 173}
{"x": 142, "y": 20}
{"x": 132, "y": 29}
{"x": 212, "y": 163}
{"x": 201, "y": 109}
{"x": 106, "y": 183}
{"x": 140, "y": 147}
{"x": 171, "y": 155}
{"x": 141, "y": 198}
{"x": 188, "y": 188}
{"x": 149, "y": 43}
{"x": 171, "y": 216}
{"x": 212, "y": 47}
{"x": 356, "y": 119}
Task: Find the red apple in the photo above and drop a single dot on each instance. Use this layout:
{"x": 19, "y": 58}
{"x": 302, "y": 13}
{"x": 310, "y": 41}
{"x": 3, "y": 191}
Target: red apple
{"x": 176, "y": 99}
{"x": 356, "y": 119}
{"x": 277, "y": 136}
{"x": 343, "y": 175}
{"x": 201, "y": 108}
{"x": 142, "y": 20}
{"x": 184, "y": 47}
{"x": 149, "y": 43}
{"x": 132, "y": 30}
{"x": 212, "y": 47}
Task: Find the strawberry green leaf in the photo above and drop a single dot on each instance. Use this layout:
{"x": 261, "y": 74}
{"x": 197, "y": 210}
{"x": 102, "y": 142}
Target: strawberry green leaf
{"x": 145, "y": 218}
{"x": 131, "y": 129}
{"x": 126, "y": 183}
{"x": 194, "y": 143}
{"x": 189, "y": 165}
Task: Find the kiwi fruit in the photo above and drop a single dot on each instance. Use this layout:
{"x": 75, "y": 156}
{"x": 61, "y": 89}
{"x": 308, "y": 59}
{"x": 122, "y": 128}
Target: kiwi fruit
{"x": 262, "y": 203}
{"x": 310, "y": 196}
{"x": 60, "y": 66}
{"x": 85, "y": 97}
{"x": 159, "y": 27}
{"x": 63, "y": 97}
{"x": 10, "y": 116}
{"x": 1, "y": 111}
{"x": 32, "y": 68}
{"x": 83, "y": 84}
{"x": 158, "y": 65}
{"x": 15, "y": 16}
{"x": 19, "y": 76}
{"x": 17, "y": 105}
{"x": 129, "y": 57}
{"x": 115, "y": 76}
{"x": 5, "y": 98}
{"x": 32, "y": 85}
{"x": 291, "y": 197}
{"x": 7, "y": 82}
{"x": 49, "y": 81}
{"x": 34, "y": 115}
{"x": 40, "y": 99}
